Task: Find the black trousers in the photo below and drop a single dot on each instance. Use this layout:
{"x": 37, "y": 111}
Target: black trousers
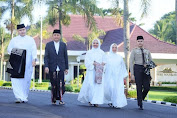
{"x": 57, "y": 85}
{"x": 142, "y": 83}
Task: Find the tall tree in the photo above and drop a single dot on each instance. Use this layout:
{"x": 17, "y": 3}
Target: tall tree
{"x": 145, "y": 7}
{"x": 18, "y": 9}
{"x": 2, "y": 51}
{"x": 165, "y": 28}
{"x": 91, "y": 36}
{"x": 59, "y": 9}
{"x": 176, "y": 18}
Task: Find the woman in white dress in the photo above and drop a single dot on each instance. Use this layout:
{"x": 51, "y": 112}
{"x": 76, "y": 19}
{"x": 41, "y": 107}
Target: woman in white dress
{"x": 92, "y": 92}
{"x": 114, "y": 79}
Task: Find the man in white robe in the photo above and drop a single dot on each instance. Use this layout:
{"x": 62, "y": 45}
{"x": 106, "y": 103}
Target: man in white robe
{"x": 22, "y": 41}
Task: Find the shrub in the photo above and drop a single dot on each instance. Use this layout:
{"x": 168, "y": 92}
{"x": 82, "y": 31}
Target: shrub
{"x": 7, "y": 84}
{"x": 168, "y": 82}
{"x": 172, "y": 99}
{"x": 77, "y": 90}
{"x": 132, "y": 94}
{"x": 170, "y": 88}
{"x": 1, "y": 83}
{"x": 43, "y": 84}
{"x": 68, "y": 88}
{"x": 49, "y": 88}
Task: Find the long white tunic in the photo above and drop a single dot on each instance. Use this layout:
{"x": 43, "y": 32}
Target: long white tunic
{"x": 91, "y": 91}
{"x": 115, "y": 73}
{"x": 21, "y": 86}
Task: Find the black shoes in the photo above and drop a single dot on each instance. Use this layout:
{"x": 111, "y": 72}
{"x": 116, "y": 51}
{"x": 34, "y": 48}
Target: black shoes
{"x": 141, "y": 107}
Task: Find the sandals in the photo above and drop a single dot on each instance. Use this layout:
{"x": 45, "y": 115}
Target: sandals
{"x": 95, "y": 105}
{"x": 53, "y": 103}
{"x": 61, "y": 103}
{"x": 90, "y": 104}
{"x": 110, "y": 105}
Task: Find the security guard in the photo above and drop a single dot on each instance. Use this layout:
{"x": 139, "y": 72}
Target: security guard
{"x": 138, "y": 60}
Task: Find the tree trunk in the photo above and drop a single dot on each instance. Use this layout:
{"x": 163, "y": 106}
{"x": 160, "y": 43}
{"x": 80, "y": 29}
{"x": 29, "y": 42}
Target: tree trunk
{"x": 126, "y": 39}
{"x": 60, "y": 18}
{"x": 12, "y": 18}
{"x": 40, "y": 61}
{"x": 2, "y": 54}
{"x": 176, "y": 19}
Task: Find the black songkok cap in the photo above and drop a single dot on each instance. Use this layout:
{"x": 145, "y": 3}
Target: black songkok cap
{"x": 20, "y": 26}
{"x": 140, "y": 38}
{"x": 56, "y": 31}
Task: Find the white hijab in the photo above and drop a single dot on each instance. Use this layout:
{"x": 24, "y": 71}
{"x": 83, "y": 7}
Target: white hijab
{"x": 99, "y": 44}
{"x": 115, "y": 63}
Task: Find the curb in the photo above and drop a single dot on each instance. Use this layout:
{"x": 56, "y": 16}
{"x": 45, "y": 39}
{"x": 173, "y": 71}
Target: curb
{"x": 157, "y": 102}
{"x": 148, "y": 101}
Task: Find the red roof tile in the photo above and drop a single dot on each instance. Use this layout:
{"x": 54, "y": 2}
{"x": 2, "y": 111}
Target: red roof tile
{"x": 150, "y": 42}
{"x": 114, "y": 34}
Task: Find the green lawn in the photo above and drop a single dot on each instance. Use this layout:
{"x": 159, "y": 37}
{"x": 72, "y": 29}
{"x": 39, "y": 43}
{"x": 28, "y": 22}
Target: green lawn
{"x": 41, "y": 88}
{"x": 159, "y": 95}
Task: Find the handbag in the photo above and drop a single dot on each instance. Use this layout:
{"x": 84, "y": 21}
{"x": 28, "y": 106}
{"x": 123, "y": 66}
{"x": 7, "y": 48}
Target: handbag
{"x": 149, "y": 66}
{"x": 17, "y": 63}
{"x": 98, "y": 73}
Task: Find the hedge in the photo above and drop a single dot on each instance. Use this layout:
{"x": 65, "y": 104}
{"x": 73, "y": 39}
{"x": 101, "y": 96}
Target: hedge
{"x": 43, "y": 84}
{"x": 170, "y": 88}
{"x": 132, "y": 94}
{"x": 172, "y": 99}
{"x": 67, "y": 88}
{"x": 1, "y": 83}
{"x": 7, "y": 84}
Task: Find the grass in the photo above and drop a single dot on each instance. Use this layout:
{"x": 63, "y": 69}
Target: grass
{"x": 159, "y": 95}
{"x": 41, "y": 88}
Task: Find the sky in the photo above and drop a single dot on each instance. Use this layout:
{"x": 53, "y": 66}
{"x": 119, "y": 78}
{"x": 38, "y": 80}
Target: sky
{"x": 157, "y": 9}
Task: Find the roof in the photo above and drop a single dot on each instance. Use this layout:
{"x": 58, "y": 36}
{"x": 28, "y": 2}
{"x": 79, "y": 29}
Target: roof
{"x": 150, "y": 42}
{"x": 114, "y": 34}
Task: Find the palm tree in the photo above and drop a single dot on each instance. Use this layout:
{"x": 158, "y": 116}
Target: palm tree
{"x": 176, "y": 18}
{"x": 19, "y": 9}
{"x": 59, "y": 9}
{"x": 91, "y": 36}
{"x": 145, "y": 7}
{"x": 2, "y": 51}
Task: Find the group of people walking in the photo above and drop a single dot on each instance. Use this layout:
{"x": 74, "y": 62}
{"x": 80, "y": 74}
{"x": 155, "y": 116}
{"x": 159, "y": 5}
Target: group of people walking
{"x": 105, "y": 74}
{"x": 111, "y": 89}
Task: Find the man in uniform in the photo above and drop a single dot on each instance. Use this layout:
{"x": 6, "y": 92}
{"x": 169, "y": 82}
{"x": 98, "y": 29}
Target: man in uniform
{"x": 56, "y": 64}
{"x": 138, "y": 61}
{"x": 21, "y": 86}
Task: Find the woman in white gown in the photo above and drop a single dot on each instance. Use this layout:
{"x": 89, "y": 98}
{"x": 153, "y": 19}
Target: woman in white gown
{"x": 114, "y": 79}
{"x": 92, "y": 92}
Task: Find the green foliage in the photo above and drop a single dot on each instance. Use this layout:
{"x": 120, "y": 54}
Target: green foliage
{"x": 95, "y": 34}
{"x": 132, "y": 94}
{"x": 22, "y": 8}
{"x": 43, "y": 84}
{"x": 169, "y": 82}
{"x": 75, "y": 81}
{"x": 49, "y": 88}
{"x": 165, "y": 28}
{"x": 86, "y": 8}
{"x": 36, "y": 80}
{"x": 77, "y": 90}
{"x": 68, "y": 88}
{"x": 172, "y": 99}
{"x": 171, "y": 88}
{"x": 1, "y": 83}
{"x": 7, "y": 84}
{"x": 82, "y": 67}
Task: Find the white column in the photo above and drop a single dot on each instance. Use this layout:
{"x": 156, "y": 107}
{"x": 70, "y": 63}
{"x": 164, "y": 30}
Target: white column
{"x": 155, "y": 76}
{"x": 33, "y": 76}
{"x": 4, "y": 75}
